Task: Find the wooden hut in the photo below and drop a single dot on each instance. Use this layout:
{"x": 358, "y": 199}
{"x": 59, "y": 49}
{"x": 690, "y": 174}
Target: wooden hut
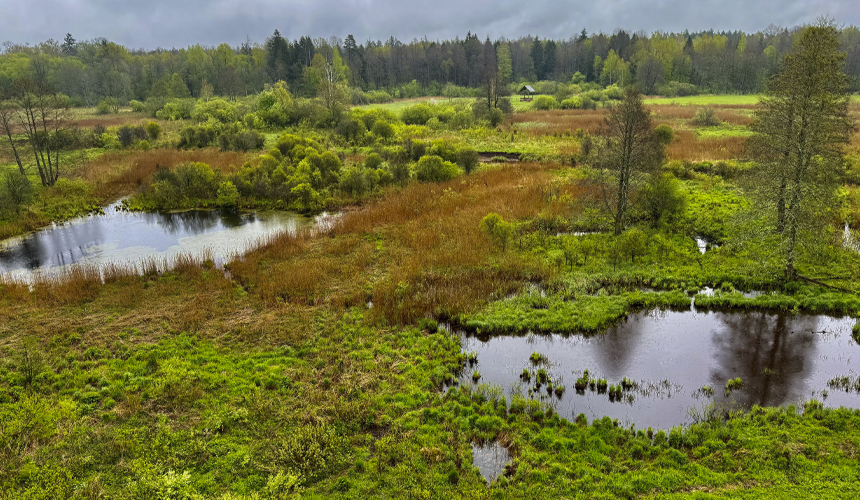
{"x": 526, "y": 93}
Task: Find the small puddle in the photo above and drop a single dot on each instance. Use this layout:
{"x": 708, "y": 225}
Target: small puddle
{"x": 849, "y": 241}
{"x": 668, "y": 357}
{"x": 490, "y": 458}
{"x": 704, "y": 245}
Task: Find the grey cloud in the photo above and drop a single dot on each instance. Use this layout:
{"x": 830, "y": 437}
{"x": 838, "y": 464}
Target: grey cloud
{"x": 174, "y": 23}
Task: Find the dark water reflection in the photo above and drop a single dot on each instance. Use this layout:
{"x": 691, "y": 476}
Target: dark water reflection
{"x": 128, "y": 237}
{"x": 781, "y": 358}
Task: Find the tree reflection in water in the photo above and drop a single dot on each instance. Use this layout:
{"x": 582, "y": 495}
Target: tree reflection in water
{"x": 771, "y": 353}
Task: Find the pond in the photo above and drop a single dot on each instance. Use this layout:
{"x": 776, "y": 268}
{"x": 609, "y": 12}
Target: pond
{"x": 124, "y": 237}
{"x": 671, "y": 356}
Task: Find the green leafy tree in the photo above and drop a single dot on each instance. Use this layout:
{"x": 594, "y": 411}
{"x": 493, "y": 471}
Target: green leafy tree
{"x": 801, "y": 130}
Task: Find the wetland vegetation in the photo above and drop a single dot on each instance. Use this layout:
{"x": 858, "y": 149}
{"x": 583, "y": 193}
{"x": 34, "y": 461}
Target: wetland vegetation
{"x": 504, "y": 307}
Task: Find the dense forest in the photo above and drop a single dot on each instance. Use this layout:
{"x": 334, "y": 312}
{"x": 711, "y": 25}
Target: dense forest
{"x": 662, "y": 63}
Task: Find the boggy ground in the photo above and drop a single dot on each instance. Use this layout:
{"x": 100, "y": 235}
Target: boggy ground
{"x": 301, "y": 371}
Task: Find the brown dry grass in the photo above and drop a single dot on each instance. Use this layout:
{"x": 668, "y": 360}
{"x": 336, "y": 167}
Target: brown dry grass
{"x": 414, "y": 253}
{"x": 110, "y": 120}
{"x": 730, "y": 114}
{"x": 558, "y": 121}
{"x": 687, "y": 146}
{"x": 118, "y": 174}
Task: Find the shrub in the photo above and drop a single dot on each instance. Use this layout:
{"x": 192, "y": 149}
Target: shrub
{"x": 128, "y": 135}
{"x": 352, "y": 130}
{"x": 494, "y": 226}
{"x": 419, "y": 114}
{"x": 664, "y": 134}
{"x": 663, "y": 200}
{"x": 677, "y": 89}
{"x": 176, "y": 109}
{"x": 614, "y": 92}
{"x": 16, "y": 188}
{"x": 383, "y": 130}
{"x": 572, "y": 103}
{"x": 247, "y": 140}
{"x": 435, "y": 169}
{"x": 705, "y": 117}
{"x": 353, "y": 182}
{"x": 443, "y": 148}
{"x": 143, "y": 145}
{"x": 137, "y": 106}
{"x": 372, "y": 161}
{"x": 588, "y": 103}
{"x": 153, "y": 130}
{"x": 214, "y": 109}
{"x": 228, "y": 195}
{"x": 197, "y": 136}
{"x": 107, "y": 105}
{"x": 467, "y": 159}
{"x": 544, "y": 102}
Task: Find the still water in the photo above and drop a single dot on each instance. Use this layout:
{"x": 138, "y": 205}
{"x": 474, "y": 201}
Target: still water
{"x": 490, "y": 458}
{"x": 130, "y": 237}
{"x": 782, "y": 359}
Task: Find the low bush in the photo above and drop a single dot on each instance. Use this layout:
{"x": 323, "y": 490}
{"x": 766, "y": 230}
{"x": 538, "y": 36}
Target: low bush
{"x": 544, "y": 102}
{"x": 705, "y": 117}
{"x": 435, "y": 169}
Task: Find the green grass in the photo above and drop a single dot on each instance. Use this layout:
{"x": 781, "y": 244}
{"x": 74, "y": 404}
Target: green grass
{"x": 706, "y": 100}
{"x": 723, "y": 131}
{"x": 551, "y": 314}
{"x": 715, "y": 99}
{"x": 400, "y": 104}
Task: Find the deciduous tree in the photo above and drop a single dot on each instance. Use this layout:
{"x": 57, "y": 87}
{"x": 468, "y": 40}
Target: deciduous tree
{"x": 800, "y": 132}
{"x": 629, "y": 147}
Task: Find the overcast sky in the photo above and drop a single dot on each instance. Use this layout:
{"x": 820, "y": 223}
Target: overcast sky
{"x": 178, "y": 23}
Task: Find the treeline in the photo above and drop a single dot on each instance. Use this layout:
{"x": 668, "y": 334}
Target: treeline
{"x": 668, "y": 63}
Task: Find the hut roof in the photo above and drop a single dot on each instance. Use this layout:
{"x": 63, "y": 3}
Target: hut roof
{"x": 527, "y": 88}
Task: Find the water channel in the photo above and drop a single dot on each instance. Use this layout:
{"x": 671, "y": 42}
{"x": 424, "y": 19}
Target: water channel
{"x": 124, "y": 237}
